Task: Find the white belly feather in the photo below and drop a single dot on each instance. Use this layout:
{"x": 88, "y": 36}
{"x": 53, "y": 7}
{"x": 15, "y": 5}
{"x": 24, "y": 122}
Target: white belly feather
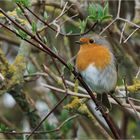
{"x": 100, "y": 80}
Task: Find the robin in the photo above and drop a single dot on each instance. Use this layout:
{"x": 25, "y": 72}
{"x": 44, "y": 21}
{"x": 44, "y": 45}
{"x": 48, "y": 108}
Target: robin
{"x": 96, "y": 64}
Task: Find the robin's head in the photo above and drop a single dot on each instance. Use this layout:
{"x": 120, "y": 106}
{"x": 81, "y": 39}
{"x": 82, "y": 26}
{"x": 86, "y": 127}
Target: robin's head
{"x": 93, "y": 41}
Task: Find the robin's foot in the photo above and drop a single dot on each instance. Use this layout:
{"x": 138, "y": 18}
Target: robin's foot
{"x": 78, "y": 75}
{"x": 100, "y": 106}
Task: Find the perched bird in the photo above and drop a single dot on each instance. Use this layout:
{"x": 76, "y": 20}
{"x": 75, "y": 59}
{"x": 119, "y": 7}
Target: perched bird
{"x": 96, "y": 63}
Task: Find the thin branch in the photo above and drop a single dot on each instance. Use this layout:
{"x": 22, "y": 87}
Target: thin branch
{"x": 119, "y": 8}
{"x": 62, "y": 77}
{"x": 131, "y": 23}
{"x": 130, "y": 35}
{"x": 122, "y": 32}
{"x": 25, "y": 14}
{"x": 108, "y": 26}
{"x": 69, "y": 19}
{"x": 43, "y": 132}
{"x": 63, "y": 91}
{"x": 137, "y": 73}
{"x": 54, "y": 108}
{"x": 63, "y": 11}
{"x": 132, "y": 105}
{"x": 133, "y": 99}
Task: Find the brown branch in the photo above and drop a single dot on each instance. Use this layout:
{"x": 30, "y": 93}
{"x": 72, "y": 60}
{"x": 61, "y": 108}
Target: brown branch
{"x": 25, "y": 14}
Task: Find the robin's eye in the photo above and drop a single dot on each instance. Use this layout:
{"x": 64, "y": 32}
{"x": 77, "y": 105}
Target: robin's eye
{"x": 91, "y": 41}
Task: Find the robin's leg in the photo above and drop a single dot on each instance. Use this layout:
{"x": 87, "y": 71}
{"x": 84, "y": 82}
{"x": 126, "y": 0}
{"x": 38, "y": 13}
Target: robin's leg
{"x": 106, "y": 101}
{"x": 99, "y": 102}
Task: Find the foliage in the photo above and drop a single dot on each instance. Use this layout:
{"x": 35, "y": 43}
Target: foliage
{"x": 24, "y": 2}
{"x": 97, "y": 12}
{"x": 3, "y": 128}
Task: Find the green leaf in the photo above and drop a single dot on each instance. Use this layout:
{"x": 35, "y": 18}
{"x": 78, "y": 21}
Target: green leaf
{"x": 82, "y": 25}
{"x": 64, "y": 115}
{"x": 93, "y": 18}
{"x": 45, "y": 40}
{"x": 22, "y": 34}
{"x": 49, "y": 126}
{"x": 3, "y": 128}
{"x": 16, "y": 1}
{"x": 106, "y": 9}
{"x": 18, "y": 11}
{"x": 70, "y": 66}
{"x": 55, "y": 50}
{"x": 46, "y": 15}
{"x": 34, "y": 27}
{"x": 107, "y": 17}
{"x": 92, "y": 10}
{"x": 100, "y": 11}
{"x": 25, "y": 3}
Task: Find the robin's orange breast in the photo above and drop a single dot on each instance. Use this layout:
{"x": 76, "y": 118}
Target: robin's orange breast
{"x": 93, "y": 54}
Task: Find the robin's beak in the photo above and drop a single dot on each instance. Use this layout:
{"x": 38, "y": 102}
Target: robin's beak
{"x": 79, "y": 42}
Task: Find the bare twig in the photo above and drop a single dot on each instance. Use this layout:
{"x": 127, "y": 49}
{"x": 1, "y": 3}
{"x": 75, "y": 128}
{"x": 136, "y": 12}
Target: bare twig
{"x": 137, "y": 73}
{"x": 108, "y": 26}
{"x": 119, "y": 8}
{"x": 132, "y": 105}
{"x": 130, "y": 35}
{"x": 122, "y": 32}
{"x": 62, "y": 12}
{"x": 131, "y": 23}
{"x": 69, "y": 19}
{"x": 68, "y": 92}
{"x": 43, "y": 132}
{"x": 133, "y": 99}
